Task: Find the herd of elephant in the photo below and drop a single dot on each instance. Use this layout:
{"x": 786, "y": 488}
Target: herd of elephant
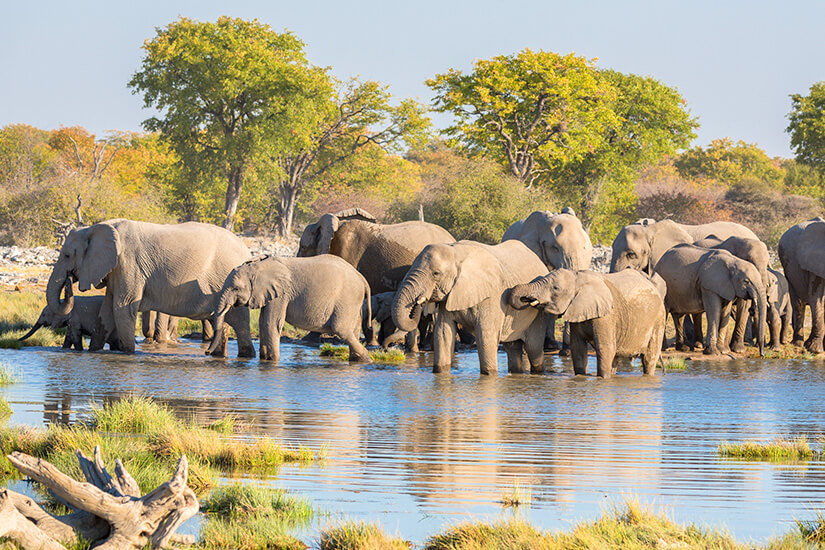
{"x": 414, "y": 278}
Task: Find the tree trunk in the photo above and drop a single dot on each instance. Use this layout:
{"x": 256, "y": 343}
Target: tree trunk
{"x": 110, "y": 510}
{"x": 286, "y": 208}
{"x": 591, "y": 192}
{"x": 233, "y": 195}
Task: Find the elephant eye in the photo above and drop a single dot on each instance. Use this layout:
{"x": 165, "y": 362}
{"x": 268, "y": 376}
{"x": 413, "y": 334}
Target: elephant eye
{"x": 631, "y": 254}
{"x": 436, "y": 273}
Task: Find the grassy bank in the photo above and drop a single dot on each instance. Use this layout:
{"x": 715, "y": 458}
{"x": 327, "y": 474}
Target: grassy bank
{"x": 149, "y": 439}
{"x": 797, "y": 448}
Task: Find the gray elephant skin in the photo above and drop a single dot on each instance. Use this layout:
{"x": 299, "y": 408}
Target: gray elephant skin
{"x": 619, "y": 314}
{"x": 755, "y": 252}
{"x": 802, "y": 253}
{"x": 81, "y": 321}
{"x": 388, "y": 333}
{"x": 780, "y": 311}
{"x": 469, "y": 283}
{"x": 708, "y": 280}
{"x": 158, "y": 327}
{"x": 323, "y": 294}
{"x": 382, "y": 253}
{"x": 175, "y": 269}
{"x": 560, "y": 241}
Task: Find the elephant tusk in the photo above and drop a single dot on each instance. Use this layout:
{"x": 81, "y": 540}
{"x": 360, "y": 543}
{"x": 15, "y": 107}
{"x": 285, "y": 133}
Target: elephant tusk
{"x": 534, "y": 303}
{"x": 420, "y": 300}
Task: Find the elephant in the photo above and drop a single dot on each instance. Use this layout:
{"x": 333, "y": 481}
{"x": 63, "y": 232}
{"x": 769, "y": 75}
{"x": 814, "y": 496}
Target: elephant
{"x": 469, "y": 282}
{"x": 81, "y": 321}
{"x": 323, "y": 294}
{"x": 640, "y": 245}
{"x": 382, "y": 253}
{"x": 174, "y": 269}
{"x": 755, "y": 252}
{"x": 388, "y": 333}
{"x": 560, "y": 241}
{"x": 708, "y": 280}
{"x": 620, "y": 314}
{"x": 158, "y": 327}
{"x": 780, "y": 311}
{"x": 803, "y": 262}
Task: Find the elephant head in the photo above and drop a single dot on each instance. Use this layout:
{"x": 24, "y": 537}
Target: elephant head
{"x": 459, "y": 275}
{"x": 251, "y": 284}
{"x": 731, "y": 277}
{"x": 578, "y": 297}
{"x": 317, "y": 237}
{"x": 558, "y": 239}
{"x": 48, "y": 318}
{"x": 632, "y": 248}
{"x": 88, "y": 255}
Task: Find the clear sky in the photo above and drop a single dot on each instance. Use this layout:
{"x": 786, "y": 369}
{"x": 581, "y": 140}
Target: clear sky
{"x": 734, "y": 62}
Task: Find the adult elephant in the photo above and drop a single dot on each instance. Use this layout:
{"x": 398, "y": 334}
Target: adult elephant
{"x": 381, "y": 253}
{"x": 173, "y": 269}
{"x": 469, "y": 283}
{"x": 802, "y": 253}
{"x": 708, "y": 280}
{"x": 641, "y": 245}
{"x": 560, "y": 241}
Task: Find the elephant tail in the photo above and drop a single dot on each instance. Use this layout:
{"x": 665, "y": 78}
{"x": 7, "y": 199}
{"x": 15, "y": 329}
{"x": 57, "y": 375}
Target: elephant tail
{"x": 366, "y": 312}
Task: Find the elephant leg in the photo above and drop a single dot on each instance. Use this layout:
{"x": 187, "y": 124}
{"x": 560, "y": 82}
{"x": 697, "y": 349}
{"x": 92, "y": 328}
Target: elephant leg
{"x": 565, "y": 340}
{"x": 75, "y": 336}
{"x": 173, "y": 328}
{"x": 147, "y": 326}
{"x": 650, "y": 357}
{"x": 578, "y": 354}
{"x": 515, "y": 356}
{"x": 679, "y": 325}
{"x": 444, "y": 334}
{"x": 357, "y": 351}
{"x": 814, "y": 342}
{"x": 207, "y": 330}
{"x": 713, "y": 310}
{"x": 67, "y": 340}
{"x": 550, "y": 342}
{"x": 411, "y": 341}
{"x": 737, "y": 342}
{"x": 698, "y": 336}
{"x": 797, "y": 320}
{"x": 125, "y": 321}
{"x": 238, "y": 319}
{"x": 775, "y": 324}
{"x": 604, "y": 342}
{"x": 534, "y": 345}
{"x": 724, "y": 321}
{"x": 784, "y": 337}
{"x": 487, "y": 342}
{"x": 161, "y": 328}
{"x": 269, "y": 329}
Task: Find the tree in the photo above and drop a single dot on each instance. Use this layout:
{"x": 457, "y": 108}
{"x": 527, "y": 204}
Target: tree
{"x": 807, "y": 126}
{"x": 533, "y": 110}
{"x": 730, "y": 163}
{"x": 230, "y": 93}
{"x": 355, "y": 115}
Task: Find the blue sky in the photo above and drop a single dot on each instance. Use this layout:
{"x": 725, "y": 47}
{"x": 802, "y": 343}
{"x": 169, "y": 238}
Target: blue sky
{"x": 734, "y": 62}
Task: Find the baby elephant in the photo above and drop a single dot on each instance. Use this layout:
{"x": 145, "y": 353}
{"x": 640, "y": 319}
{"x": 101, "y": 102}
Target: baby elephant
{"x": 779, "y": 308}
{"x": 320, "y": 293}
{"x": 620, "y": 314}
{"x": 81, "y": 321}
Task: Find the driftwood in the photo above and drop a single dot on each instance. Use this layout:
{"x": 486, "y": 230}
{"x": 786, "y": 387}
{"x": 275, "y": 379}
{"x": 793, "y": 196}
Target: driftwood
{"x": 110, "y": 511}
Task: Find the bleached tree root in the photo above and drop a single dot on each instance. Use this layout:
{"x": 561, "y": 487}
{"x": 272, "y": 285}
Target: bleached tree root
{"x": 110, "y": 511}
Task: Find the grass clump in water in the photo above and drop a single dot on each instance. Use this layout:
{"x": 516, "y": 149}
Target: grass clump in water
{"x": 135, "y": 414}
{"x": 674, "y": 363}
{"x": 359, "y": 535}
{"x": 776, "y": 449}
{"x": 391, "y": 355}
{"x": 246, "y": 517}
{"x": 7, "y": 375}
{"x": 5, "y": 409}
{"x": 516, "y": 496}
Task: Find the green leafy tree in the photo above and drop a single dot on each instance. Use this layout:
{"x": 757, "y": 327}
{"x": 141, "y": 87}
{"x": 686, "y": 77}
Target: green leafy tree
{"x": 730, "y": 163}
{"x": 229, "y": 93}
{"x": 807, "y": 126}
{"x": 558, "y": 121}
{"x": 354, "y": 115}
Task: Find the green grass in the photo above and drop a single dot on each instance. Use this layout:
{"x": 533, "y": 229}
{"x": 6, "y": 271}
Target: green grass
{"x": 813, "y": 530}
{"x": 149, "y": 439}
{"x": 246, "y": 517}
{"x": 18, "y": 312}
{"x": 776, "y": 449}
{"x": 674, "y": 363}
{"x": 5, "y": 410}
{"x": 7, "y": 375}
{"x": 391, "y": 355}
{"x": 359, "y": 535}
{"x": 785, "y": 351}
{"x": 516, "y": 496}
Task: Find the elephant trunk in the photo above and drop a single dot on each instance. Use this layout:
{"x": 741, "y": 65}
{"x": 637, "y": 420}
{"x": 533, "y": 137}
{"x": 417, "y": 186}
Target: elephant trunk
{"x": 224, "y": 304}
{"x": 761, "y": 316}
{"x": 522, "y": 296}
{"x": 408, "y": 302}
{"x": 53, "y": 289}
{"x": 34, "y": 329}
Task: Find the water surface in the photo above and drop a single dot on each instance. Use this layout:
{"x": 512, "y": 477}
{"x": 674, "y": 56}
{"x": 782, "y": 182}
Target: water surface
{"x": 417, "y": 451}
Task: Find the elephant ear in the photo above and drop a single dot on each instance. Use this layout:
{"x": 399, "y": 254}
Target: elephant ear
{"x": 593, "y": 299}
{"x": 715, "y": 275}
{"x": 100, "y": 255}
{"x": 479, "y": 277}
{"x": 356, "y": 214}
{"x": 810, "y": 242}
{"x": 327, "y": 226}
{"x": 267, "y": 283}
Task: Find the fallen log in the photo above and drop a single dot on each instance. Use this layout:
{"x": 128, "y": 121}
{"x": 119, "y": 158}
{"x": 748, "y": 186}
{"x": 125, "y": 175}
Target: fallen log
{"x": 109, "y": 511}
